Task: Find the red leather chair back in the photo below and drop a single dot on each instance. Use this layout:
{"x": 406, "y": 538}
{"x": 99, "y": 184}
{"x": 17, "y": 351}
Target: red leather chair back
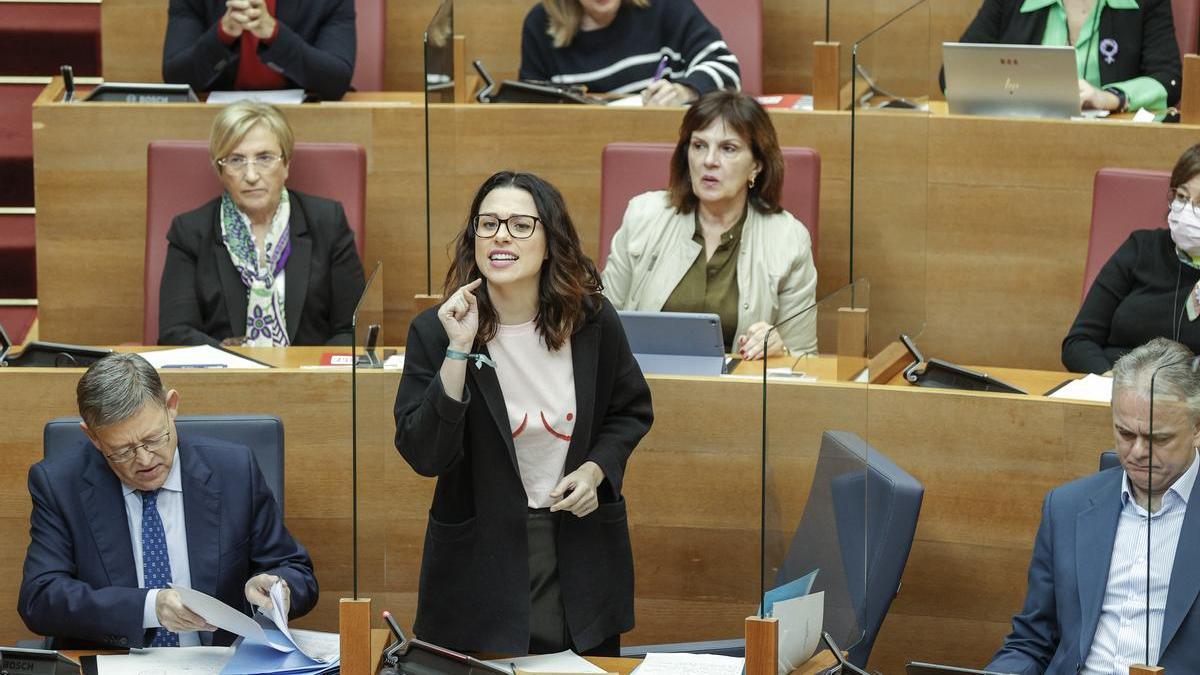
{"x": 740, "y": 23}
{"x": 179, "y": 178}
{"x": 1187, "y": 21}
{"x": 629, "y": 169}
{"x": 1123, "y": 200}
{"x": 370, "y": 25}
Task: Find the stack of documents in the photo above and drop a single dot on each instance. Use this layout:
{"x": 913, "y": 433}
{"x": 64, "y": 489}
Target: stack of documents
{"x": 801, "y": 615}
{"x": 560, "y": 664}
{"x": 690, "y": 664}
{"x": 267, "y": 645}
{"x": 1091, "y": 387}
{"x": 202, "y": 356}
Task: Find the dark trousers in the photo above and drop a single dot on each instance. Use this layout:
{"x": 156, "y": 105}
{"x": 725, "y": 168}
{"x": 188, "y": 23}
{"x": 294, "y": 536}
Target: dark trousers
{"x": 548, "y": 632}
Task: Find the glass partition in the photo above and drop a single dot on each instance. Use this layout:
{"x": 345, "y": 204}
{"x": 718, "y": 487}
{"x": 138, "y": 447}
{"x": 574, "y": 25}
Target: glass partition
{"x": 372, "y": 392}
{"x": 889, "y": 202}
{"x": 444, "y": 207}
{"x": 814, "y": 430}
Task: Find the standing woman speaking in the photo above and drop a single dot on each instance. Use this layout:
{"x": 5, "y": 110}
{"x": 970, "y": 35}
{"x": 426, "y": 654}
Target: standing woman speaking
{"x": 521, "y": 396}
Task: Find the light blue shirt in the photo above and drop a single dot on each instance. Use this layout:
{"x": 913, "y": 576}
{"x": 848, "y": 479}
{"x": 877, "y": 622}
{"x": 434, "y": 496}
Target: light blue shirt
{"x": 1120, "y": 638}
{"x": 170, "y": 510}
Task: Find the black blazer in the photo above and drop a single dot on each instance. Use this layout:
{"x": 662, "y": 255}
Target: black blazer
{"x": 1145, "y": 39}
{"x": 80, "y": 585}
{"x": 202, "y": 299}
{"x": 314, "y": 48}
{"x": 474, "y": 588}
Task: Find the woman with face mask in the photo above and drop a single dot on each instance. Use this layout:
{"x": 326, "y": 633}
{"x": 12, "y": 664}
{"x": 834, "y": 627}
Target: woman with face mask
{"x": 1149, "y": 288}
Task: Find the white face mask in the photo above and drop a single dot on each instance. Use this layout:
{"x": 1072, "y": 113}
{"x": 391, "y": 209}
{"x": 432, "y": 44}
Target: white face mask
{"x": 1185, "y": 227}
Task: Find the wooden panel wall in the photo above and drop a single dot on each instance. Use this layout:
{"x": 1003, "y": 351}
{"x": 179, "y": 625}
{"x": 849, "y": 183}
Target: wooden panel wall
{"x": 692, "y": 486}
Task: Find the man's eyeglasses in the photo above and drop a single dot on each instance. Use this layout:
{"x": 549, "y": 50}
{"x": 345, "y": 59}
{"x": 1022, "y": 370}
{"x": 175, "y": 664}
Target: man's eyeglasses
{"x": 238, "y": 163}
{"x": 153, "y": 446}
{"x": 486, "y": 225}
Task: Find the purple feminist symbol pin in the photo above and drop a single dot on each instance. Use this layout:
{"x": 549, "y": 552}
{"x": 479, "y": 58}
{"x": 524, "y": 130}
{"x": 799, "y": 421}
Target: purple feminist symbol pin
{"x": 1108, "y": 49}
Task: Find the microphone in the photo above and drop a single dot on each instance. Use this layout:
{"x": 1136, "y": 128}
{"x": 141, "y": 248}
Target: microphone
{"x": 1194, "y": 364}
{"x": 68, "y": 75}
{"x": 391, "y": 655}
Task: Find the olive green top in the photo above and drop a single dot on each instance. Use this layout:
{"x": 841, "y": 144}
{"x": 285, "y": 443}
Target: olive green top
{"x": 710, "y": 286}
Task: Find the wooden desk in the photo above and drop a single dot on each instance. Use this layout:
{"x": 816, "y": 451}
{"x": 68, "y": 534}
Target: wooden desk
{"x": 972, "y": 231}
{"x": 986, "y": 461}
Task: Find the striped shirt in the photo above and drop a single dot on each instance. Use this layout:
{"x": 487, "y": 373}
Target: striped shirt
{"x": 1120, "y": 638}
{"x": 623, "y": 56}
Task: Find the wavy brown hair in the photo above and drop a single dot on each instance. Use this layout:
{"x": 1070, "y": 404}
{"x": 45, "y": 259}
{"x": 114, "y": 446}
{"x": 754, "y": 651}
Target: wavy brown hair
{"x": 569, "y": 285}
{"x": 746, "y": 117}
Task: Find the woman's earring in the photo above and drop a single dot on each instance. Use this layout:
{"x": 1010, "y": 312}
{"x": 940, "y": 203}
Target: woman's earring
{"x": 751, "y": 182}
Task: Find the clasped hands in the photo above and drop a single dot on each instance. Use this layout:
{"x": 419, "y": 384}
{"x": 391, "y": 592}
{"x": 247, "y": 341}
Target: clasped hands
{"x": 177, "y": 618}
{"x": 248, "y": 16}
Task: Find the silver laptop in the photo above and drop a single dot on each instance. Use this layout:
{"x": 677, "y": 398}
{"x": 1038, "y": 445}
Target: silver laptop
{"x": 1011, "y": 80}
{"x": 675, "y": 343}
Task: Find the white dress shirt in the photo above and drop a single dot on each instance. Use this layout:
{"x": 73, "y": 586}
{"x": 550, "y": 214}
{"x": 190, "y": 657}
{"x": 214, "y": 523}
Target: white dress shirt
{"x": 1120, "y": 638}
{"x": 170, "y": 510}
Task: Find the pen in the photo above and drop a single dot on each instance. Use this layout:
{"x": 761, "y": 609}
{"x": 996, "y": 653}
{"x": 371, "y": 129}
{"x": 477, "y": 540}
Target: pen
{"x": 194, "y": 365}
{"x": 662, "y": 68}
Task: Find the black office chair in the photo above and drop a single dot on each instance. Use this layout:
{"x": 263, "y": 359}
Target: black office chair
{"x": 1108, "y": 460}
{"x": 263, "y": 434}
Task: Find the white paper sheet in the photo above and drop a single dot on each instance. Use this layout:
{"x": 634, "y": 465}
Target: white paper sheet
{"x": 1091, "y": 387}
{"x": 223, "y": 616}
{"x": 562, "y": 662}
{"x": 165, "y": 661}
{"x": 273, "y": 96}
{"x": 690, "y": 664}
{"x": 634, "y": 101}
{"x": 202, "y": 356}
{"x": 800, "y": 621}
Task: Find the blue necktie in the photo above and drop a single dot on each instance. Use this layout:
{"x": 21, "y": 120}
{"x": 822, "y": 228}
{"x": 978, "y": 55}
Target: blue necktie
{"x": 156, "y": 563}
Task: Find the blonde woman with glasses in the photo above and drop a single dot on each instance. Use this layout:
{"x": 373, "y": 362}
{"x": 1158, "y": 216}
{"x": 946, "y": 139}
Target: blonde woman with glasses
{"x": 664, "y": 49}
{"x": 260, "y": 265}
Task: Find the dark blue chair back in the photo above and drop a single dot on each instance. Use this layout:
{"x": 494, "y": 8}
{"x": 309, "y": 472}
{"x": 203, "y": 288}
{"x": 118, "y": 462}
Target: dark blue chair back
{"x": 1108, "y": 460}
{"x": 858, "y": 490}
{"x": 263, "y": 434}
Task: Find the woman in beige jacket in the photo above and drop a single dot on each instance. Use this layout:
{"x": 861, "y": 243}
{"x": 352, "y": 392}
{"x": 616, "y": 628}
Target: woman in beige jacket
{"x": 717, "y": 240}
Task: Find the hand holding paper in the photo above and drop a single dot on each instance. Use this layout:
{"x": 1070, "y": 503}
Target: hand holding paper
{"x": 175, "y": 616}
{"x": 264, "y": 590}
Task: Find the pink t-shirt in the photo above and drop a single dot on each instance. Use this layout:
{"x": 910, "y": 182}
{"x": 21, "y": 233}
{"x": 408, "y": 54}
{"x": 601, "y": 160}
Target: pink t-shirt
{"x": 539, "y": 392}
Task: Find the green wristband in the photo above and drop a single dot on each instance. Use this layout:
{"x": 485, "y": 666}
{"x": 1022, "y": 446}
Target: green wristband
{"x": 479, "y": 359}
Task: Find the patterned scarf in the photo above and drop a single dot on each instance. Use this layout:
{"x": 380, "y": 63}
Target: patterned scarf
{"x": 266, "y": 325}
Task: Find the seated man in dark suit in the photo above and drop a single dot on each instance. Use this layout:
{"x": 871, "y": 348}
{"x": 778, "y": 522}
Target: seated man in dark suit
{"x": 138, "y": 508}
{"x": 261, "y": 44}
{"x": 1086, "y": 607}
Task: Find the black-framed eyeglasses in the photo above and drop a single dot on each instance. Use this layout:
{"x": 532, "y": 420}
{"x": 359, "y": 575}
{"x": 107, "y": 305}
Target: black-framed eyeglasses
{"x": 487, "y": 225}
{"x": 238, "y": 163}
{"x": 153, "y": 446}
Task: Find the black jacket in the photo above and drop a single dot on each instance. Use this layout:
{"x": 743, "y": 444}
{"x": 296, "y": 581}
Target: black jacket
{"x": 202, "y": 299}
{"x": 1139, "y": 294}
{"x": 474, "y": 588}
{"x": 314, "y": 48}
{"x": 1145, "y": 39}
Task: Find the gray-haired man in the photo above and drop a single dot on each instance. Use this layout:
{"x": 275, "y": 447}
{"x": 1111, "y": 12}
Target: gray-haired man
{"x": 139, "y": 507}
{"x": 1085, "y": 610}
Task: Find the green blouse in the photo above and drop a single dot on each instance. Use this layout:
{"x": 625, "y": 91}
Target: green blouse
{"x": 710, "y": 286}
{"x": 1140, "y": 92}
